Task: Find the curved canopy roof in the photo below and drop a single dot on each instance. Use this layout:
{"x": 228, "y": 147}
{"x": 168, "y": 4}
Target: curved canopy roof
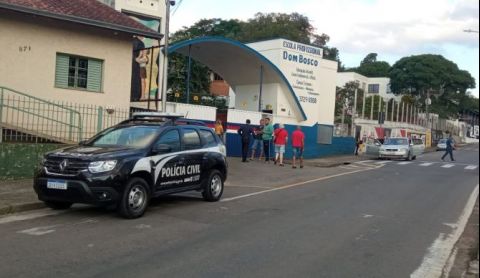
{"x": 238, "y": 64}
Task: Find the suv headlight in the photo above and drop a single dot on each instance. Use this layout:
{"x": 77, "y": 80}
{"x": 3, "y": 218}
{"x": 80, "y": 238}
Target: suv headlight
{"x": 102, "y": 166}
{"x": 404, "y": 150}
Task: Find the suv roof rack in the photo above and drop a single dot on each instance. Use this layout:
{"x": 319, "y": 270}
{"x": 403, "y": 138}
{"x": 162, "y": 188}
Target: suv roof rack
{"x": 170, "y": 116}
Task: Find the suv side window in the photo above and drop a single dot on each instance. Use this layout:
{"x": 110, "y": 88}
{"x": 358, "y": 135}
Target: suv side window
{"x": 191, "y": 139}
{"x": 170, "y": 138}
{"x": 208, "y": 138}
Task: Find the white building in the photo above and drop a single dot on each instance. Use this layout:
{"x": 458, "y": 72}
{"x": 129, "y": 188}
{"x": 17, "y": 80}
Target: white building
{"x": 372, "y": 86}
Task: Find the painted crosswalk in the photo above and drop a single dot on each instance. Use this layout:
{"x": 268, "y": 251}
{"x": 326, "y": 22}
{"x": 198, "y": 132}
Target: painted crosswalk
{"x": 423, "y": 164}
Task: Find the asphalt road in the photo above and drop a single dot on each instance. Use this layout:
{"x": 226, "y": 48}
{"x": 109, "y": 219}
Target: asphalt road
{"x": 370, "y": 219}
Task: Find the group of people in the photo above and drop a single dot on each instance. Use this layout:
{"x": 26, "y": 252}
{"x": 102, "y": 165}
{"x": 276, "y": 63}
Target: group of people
{"x": 263, "y": 135}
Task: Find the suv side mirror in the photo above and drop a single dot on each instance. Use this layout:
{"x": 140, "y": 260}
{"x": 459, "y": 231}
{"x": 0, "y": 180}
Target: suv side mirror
{"x": 161, "y": 149}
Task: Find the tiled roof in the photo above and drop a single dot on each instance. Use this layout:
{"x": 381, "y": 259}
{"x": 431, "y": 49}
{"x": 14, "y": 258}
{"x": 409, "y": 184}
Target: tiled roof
{"x": 89, "y": 12}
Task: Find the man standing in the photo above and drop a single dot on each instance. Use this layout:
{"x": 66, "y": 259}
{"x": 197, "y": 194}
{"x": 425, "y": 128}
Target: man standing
{"x": 450, "y": 146}
{"x": 281, "y": 138}
{"x": 258, "y": 141}
{"x": 267, "y": 136}
{"x": 298, "y": 144}
{"x": 245, "y": 132}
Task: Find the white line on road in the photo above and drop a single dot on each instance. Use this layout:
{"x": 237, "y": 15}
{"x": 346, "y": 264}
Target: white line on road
{"x": 439, "y": 252}
{"x": 384, "y": 162}
{"x": 427, "y": 164}
{"x": 405, "y": 163}
{"x": 295, "y": 184}
{"x": 448, "y": 166}
{"x": 29, "y": 216}
{"x": 471, "y": 167}
{"x": 39, "y": 231}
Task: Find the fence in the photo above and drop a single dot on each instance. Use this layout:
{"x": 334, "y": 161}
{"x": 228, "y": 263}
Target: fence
{"x": 28, "y": 119}
{"x": 391, "y": 112}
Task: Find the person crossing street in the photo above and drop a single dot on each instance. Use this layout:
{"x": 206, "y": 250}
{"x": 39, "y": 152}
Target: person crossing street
{"x": 450, "y": 147}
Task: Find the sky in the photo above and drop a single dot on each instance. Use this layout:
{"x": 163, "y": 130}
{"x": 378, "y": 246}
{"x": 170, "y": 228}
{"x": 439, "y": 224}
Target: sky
{"x": 391, "y": 28}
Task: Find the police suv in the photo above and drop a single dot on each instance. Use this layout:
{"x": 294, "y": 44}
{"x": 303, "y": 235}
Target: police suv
{"x": 149, "y": 155}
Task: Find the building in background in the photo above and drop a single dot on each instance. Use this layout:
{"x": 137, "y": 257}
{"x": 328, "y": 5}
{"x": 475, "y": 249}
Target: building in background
{"x": 377, "y": 86}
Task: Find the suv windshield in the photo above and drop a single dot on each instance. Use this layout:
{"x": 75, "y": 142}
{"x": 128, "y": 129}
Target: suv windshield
{"x": 442, "y": 141}
{"x": 396, "y": 141}
{"x": 127, "y": 136}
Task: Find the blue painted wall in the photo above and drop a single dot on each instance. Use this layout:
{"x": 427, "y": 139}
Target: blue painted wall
{"x": 339, "y": 146}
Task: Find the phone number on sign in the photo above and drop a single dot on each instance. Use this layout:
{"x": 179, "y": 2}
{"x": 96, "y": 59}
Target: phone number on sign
{"x": 308, "y": 99}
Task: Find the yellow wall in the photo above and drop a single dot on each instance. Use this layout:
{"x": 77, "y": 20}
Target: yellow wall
{"x": 33, "y": 71}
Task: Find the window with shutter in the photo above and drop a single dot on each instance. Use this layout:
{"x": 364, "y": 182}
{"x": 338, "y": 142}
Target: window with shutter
{"x": 73, "y": 72}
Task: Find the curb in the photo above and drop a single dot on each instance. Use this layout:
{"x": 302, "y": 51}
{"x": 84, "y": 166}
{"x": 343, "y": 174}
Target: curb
{"x": 21, "y": 207}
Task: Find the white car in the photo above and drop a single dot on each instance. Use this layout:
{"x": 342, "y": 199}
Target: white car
{"x": 442, "y": 145}
{"x": 402, "y": 148}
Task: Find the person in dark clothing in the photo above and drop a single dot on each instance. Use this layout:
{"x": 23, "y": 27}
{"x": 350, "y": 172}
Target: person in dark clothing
{"x": 450, "y": 146}
{"x": 245, "y": 132}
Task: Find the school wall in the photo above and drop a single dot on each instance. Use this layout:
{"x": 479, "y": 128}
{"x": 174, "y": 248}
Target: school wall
{"x": 339, "y": 146}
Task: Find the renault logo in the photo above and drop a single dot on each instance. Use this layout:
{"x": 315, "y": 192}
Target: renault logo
{"x": 63, "y": 165}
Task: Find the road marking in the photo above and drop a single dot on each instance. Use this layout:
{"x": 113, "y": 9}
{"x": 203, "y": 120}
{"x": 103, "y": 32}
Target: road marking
{"x": 471, "y": 167}
{"x": 448, "y": 166}
{"x": 249, "y": 186}
{"x": 30, "y": 215}
{"x": 427, "y": 164}
{"x": 39, "y": 231}
{"x": 405, "y": 163}
{"x": 295, "y": 184}
{"x": 384, "y": 162}
{"x": 438, "y": 253}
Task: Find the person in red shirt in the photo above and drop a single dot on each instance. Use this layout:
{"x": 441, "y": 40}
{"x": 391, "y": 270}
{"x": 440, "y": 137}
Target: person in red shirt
{"x": 280, "y": 140}
{"x": 298, "y": 144}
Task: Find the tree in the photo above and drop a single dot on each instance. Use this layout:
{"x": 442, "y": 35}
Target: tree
{"x": 265, "y": 26}
{"x": 429, "y": 74}
{"x": 371, "y": 67}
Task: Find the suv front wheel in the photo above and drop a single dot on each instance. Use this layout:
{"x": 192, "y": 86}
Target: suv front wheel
{"x": 213, "y": 189}
{"x": 135, "y": 199}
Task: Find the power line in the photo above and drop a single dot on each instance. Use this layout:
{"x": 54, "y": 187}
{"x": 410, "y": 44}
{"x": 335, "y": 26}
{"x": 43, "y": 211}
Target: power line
{"x": 177, "y": 7}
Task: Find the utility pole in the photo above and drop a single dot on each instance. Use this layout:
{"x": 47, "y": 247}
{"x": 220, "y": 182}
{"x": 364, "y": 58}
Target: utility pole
{"x": 354, "y": 113}
{"x": 168, "y": 3}
{"x": 428, "y": 102}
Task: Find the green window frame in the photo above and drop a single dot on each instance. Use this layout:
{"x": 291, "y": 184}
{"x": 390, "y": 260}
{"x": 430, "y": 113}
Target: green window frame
{"x": 78, "y": 73}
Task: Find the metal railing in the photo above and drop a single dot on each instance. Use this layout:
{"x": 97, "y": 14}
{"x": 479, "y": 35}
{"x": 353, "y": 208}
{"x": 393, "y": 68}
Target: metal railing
{"x": 25, "y": 118}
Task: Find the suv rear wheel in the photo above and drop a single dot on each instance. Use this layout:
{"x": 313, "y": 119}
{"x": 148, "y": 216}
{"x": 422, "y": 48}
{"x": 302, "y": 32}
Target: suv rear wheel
{"x": 213, "y": 189}
{"x": 135, "y": 199}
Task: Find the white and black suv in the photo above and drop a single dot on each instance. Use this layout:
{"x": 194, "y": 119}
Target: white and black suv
{"x": 147, "y": 156}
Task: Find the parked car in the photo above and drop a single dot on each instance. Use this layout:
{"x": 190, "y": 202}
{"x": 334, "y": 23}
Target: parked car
{"x": 125, "y": 166}
{"x": 402, "y": 148}
{"x": 442, "y": 145}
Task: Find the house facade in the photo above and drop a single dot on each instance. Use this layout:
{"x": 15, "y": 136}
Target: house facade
{"x": 83, "y": 55}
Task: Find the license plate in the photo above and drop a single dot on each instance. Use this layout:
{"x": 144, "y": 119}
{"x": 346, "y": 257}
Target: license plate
{"x": 57, "y": 184}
